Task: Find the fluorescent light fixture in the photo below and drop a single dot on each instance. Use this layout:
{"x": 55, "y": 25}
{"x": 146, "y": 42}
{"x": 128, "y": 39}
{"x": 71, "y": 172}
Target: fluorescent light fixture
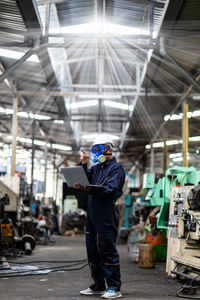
{"x": 118, "y": 105}
{"x": 24, "y": 114}
{"x": 172, "y": 142}
{"x": 58, "y": 121}
{"x": 17, "y": 55}
{"x": 176, "y": 159}
{"x": 100, "y": 96}
{"x": 196, "y": 97}
{"x": 196, "y": 113}
{"x": 92, "y": 136}
{"x": 194, "y": 138}
{"x": 190, "y": 114}
{"x": 41, "y": 143}
{"x": 161, "y": 144}
{"x": 41, "y": 117}
{"x": 61, "y": 147}
{"x": 179, "y": 154}
{"x": 82, "y": 104}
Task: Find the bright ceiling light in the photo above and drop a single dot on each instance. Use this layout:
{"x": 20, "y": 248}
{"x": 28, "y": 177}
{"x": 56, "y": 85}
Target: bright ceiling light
{"x": 176, "y": 159}
{"x": 40, "y": 117}
{"x": 41, "y": 143}
{"x": 126, "y": 30}
{"x": 82, "y": 104}
{"x": 24, "y": 114}
{"x": 179, "y": 154}
{"x": 190, "y": 114}
{"x": 97, "y": 27}
{"x": 79, "y": 29}
{"x": 118, "y": 105}
{"x": 61, "y": 147}
{"x": 100, "y": 96}
{"x": 161, "y": 144}
{"x": 17, "y": 55}
{"x": 194, "y": 138}
{"x": 58, "y": 121}
{"x": 92, "y": 136}
{"x": 195, "y": 96}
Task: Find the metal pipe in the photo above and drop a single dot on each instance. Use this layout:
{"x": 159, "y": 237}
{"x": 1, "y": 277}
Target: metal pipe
{"x": 185, "y": 275}
{"x": 19, "y": 62}
{"x": 14, "y": 135}
{"x": 185, "y": 135}
{"x": 176, "y": 65}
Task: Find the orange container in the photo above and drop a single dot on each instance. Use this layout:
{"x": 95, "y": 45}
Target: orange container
{"x": 156, "y": 238}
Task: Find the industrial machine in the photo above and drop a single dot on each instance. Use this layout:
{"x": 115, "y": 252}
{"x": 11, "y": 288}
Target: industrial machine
{"x": 158, "y": 194}
{"x": 11, "y": 238}
{"x": 183, "y": 258}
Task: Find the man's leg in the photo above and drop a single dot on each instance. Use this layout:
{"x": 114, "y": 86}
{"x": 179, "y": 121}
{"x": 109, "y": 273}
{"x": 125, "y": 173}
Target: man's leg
{"x": 94, "y": 259}
{"x": 110, "y": 259}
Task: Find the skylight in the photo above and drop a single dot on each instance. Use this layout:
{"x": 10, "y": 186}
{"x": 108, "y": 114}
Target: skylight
{"x": 17, "y": 55}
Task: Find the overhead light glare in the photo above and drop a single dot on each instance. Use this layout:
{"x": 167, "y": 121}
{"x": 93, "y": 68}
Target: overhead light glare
{"x": 17, "y": 55}
{"x": 118, "y": 105}
{"x": 82, "y": 104}
{"x": 98, "y": 27}
{"x": 92, "y": 136}
{"x": 100, "y": 96}
{"x": 190, "y": 114}
{"x": 61, "y": 147}
{"x": 58, "y": 121}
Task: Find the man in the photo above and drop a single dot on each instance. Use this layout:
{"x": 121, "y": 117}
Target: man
{"x": 102, "y": 218}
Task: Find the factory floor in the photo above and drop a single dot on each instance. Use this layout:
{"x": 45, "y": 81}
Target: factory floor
{"x": 137, "y": 283}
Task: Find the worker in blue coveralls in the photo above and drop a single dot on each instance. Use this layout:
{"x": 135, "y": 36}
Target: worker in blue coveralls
{"x": 102, "y": 218}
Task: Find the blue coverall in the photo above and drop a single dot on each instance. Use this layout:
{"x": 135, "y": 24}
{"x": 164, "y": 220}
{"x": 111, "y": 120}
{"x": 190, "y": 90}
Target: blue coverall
{"x": 102, "y": 223}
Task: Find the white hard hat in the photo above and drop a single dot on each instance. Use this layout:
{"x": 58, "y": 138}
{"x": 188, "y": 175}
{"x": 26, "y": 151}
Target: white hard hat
{"x": 103, "y": 139}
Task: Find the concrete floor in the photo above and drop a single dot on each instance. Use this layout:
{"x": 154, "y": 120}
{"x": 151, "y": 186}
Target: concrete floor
{"x": 137, "y": 283}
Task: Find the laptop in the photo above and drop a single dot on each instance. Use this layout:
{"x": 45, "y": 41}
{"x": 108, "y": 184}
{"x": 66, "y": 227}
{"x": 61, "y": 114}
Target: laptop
{"x": 76, "y": 174}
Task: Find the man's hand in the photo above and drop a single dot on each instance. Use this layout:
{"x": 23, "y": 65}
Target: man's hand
{"x": 82, "y": 188}
{"x": 84, "y": 157}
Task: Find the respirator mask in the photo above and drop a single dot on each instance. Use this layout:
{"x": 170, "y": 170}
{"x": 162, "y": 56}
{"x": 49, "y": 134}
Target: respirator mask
{"x": 99, "y": 151}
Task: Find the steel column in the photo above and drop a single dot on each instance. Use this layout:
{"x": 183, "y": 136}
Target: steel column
{"x": 185, "y": 135}
{"x": 152, "y": 160}
{"x": 14, "y": 135}
{"x": 32, "y": 158}
{"x": 165, "y": 151}
{"x": 45, "y": 168}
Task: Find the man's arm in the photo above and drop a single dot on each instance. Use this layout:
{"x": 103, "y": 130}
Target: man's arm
{"x": 114, "y": 183}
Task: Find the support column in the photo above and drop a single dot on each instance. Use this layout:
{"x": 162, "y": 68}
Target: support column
{"x": 152, "y": 160}
{"x": 45, "y": 168}
{"x": 185, "y": 135}
{"x": 32, "y": 158}
{"x": 54, "y": 175}
{"x": 165, "y": 151}
{"x": 14, "y": 135}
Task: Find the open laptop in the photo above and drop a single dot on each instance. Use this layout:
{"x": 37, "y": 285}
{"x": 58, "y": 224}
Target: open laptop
{"x": 76, "y": 174}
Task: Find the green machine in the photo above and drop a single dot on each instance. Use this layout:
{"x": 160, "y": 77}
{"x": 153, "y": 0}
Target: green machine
{"x": 158, "y": 194}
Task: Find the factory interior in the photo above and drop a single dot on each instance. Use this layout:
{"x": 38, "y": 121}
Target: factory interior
{"x": 71, "y": 72}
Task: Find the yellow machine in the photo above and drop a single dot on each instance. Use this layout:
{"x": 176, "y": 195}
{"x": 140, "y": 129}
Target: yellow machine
{"x": 183, "y": 258}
